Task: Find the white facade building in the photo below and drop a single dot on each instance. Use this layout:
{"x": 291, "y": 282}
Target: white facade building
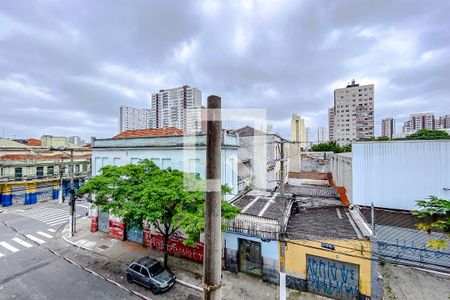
{"x": 178, "y": 107}
{"x": 352, "y": 116}
{"x": 388, "y": 127}
{"x": 131, "y": 118}
{"x": 322, "y": 135}
{"x": 186, "y": 153}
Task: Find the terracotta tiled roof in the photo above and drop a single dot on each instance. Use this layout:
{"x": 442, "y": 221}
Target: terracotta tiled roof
{"x": 87, "y": 146}
{"x": 33, "y": 142}
{"x": 151, "y": 132}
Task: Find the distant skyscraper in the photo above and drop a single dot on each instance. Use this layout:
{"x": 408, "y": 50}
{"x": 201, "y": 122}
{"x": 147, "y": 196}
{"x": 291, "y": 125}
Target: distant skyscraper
{"x": 352, "y": 116}
{"x": 178, "y": 107}
{"x": 331, "y": 123}
{"x": 298, "y": 132}
{"x": 388, "y": 127}
{"x": 131, "y": 118}
{"x": 322, "y": 135}
{"x": 419, "y": 121}
{"x": 76, "y": 140}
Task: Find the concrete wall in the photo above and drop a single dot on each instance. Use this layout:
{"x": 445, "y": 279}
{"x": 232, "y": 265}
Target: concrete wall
{"x": 346, "y": 251}
{"x": 269, "y": 252}
{"x": 395, "y": 174}
{"x": 409, "y": 247}
{"x": 341, "y": 168}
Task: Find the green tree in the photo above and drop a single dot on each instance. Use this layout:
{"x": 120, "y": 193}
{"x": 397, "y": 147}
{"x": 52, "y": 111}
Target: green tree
{"x": 169, "y": 199}
{"x": 332, "y": 146}
{"x": 426, "y": 134}
{"x": 435, "y": 213}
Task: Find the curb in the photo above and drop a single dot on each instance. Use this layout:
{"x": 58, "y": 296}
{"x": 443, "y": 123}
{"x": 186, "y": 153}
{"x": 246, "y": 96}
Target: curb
{"x": 184, "y": 283}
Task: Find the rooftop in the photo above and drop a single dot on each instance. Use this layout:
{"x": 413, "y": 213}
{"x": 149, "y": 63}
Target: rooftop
{"x": 33, "y": 142}
{"x": 391, "y": 217}
{"x": 150, "y": 132}
{"x": 320, "y": 221}
{"x": 261, "y": 204}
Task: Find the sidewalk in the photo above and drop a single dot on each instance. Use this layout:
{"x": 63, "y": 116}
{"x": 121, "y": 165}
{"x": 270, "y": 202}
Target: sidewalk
{"x": 236, "y": 286}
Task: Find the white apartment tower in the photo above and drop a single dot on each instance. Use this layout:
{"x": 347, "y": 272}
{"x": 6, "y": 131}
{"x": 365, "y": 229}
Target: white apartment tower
{"x": 443, "y": 122}
{"x": 419, "y": 121}
{"x": 131, "y": 118}
{"x": 352, "y": 116}
{"x": 298, "y": 132}
{"x": 178, "y": 107}
{"x": 388, "y": 127}
{"x": 322, "y": 135}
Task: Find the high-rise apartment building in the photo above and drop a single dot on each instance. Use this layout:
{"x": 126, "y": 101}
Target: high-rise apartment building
{"x": 298, "y": 132}
{"x": 443, "y": 122}
{"x": 419, "y": 121}
{"x": 307, "y": 137}
{"x": 131, "y": 118}
{"x": 322, "y": 135}
{"x": 352, "y": 116}
{"x": 178, "y": 107}
{"x": 331, "y": 123}
{"x": 388, "y": 127}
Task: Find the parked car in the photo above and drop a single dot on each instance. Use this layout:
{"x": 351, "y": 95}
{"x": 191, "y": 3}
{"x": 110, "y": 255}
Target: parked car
{"x": 150, "y": 273}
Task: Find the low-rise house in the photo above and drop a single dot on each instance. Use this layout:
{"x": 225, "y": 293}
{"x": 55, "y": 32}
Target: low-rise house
{"x": 251, "y": 239}
{"x": 166, "y": 147}
{"x": 29, "y": 174}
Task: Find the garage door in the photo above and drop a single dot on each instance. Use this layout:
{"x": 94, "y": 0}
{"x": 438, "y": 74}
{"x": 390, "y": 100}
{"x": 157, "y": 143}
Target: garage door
{"x": 332, "y": 278}
{"x": 250, "y": 258}
{"x": 103, "y": 221}
{"x": 134, "y": 233}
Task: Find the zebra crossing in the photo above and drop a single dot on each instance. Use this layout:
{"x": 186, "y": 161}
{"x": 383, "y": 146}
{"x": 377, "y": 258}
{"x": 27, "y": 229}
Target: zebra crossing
{"x": 51, "y": 216}
{"x": 17, "y": 244}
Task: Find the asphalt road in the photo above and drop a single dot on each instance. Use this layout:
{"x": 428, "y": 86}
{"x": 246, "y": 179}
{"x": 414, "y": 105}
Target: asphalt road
{"x": 29, "y": 271}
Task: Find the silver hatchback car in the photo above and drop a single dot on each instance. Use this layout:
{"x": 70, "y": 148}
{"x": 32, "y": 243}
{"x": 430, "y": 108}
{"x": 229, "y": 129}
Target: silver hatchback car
{"x": 150, "y": 273}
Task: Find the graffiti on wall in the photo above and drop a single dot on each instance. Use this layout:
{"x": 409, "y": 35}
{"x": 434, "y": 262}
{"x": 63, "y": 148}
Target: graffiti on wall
{"x": 176, "y": 246}
{"x": 408, "y": 246}
{"x": 44, "y": 192}
{"x": 332, "y": 278}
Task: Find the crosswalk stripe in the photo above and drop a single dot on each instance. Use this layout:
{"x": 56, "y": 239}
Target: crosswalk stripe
{"x": 33, "y": 238}
{"x": 58, "y": 221}
{"x": 23, "y": 243}
{"x": 65, "y": 216}
{"x": 51, "y": 230}
{"x": 46, "y": 213}
{"x": 9, "y": 247}
{"x": 62, "y": 222}
{"x": 1, "y": 255}
{"x": 44, "y": 234}
{"x": 49, "y": 217}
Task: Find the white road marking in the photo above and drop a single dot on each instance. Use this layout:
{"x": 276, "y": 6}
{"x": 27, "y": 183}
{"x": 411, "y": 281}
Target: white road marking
{"x": 45, "y": 234}
{"x": 55, "y": 219}
{"x": 9, "y": 247}
{"x": 23, "y": 243}
{"x": 66, "y": 219}
{"x": 33, "y": 238}
{"x": 1, "y": 255}
{"x": 51, "y": 230}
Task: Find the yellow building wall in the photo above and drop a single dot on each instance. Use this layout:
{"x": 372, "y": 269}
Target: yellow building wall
{"x": 358, "y": 253}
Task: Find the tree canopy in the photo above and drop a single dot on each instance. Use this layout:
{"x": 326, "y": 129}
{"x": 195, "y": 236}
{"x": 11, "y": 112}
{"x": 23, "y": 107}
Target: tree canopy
{"x": 435, "y": 213}
{"x": 169, "y": 199}
{"x": 332, "y": 146}
{"x": 426, "y": 134}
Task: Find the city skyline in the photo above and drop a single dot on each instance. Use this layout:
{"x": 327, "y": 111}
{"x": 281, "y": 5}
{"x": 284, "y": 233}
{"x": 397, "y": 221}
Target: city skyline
{"x": 243, "y": 65}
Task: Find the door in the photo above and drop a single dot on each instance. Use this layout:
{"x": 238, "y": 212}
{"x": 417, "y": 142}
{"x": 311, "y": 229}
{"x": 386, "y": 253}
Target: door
{"x": 134, "y": 233}
{"x": 332, "y": 278}
{"x": 250, "y": 258}
{"x": 44, "y": 191}
{"x": 103, "y": 221}
{"x": 18, "y": 194}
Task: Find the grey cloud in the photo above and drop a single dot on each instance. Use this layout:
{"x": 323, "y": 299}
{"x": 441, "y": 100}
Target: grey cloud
{"x": 89, "y": 57}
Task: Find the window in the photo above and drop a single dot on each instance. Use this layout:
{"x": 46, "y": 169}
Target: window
{"x": 136, "y": 268}
{"x": 40, "y": 172}
{"x": 50, "y": 170}
{"x": 156, "y": 269}
{"x": 157, "y": 162}
{"x": 144, "y": 272}
{"x": 166, "y": 163}
{"x": 116, "y": 161}
{"x": 18, "y": 172}
{"x": 77, "y": 168}
{"x": 134, "y": 160}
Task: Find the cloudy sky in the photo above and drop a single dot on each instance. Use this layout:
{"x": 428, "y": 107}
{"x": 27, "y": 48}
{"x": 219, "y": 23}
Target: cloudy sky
{"x": 66, "y": 66}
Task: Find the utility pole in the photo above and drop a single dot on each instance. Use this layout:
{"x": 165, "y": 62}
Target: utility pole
{"x": 282, "y": 230}
{"x": 212, "y": 266}
{"x": 72, "y": 197}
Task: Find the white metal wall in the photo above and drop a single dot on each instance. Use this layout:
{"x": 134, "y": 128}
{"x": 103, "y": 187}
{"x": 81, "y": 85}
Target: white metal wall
{"x": 395, "y": 174}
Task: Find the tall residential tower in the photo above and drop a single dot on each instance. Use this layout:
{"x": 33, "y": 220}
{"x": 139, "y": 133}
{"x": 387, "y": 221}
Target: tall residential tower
{"x": 178, "y": 107}
{"x": 388, "y": 127}
{"x": 352, "y": 116}
{"x": 298, "y": 131}
{"x": 131, "y": 118}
